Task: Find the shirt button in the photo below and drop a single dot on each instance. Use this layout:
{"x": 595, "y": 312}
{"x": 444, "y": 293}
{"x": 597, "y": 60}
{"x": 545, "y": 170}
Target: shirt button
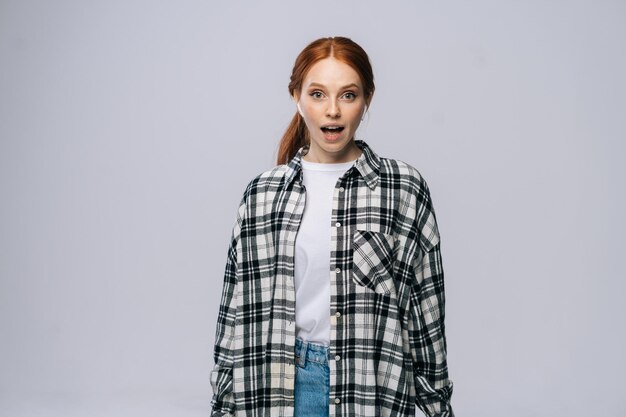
{"x": 337, "y": 357}
{"x": 337, "y": 270}
{"x": 337, "y": 400}
{"x": 338, "y": 314}
{"x": 338, "y": 224}
{"x": 341, "y": 188}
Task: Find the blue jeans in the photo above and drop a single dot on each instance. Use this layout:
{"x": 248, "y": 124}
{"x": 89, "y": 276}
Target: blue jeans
{"x": 312, "y": 387}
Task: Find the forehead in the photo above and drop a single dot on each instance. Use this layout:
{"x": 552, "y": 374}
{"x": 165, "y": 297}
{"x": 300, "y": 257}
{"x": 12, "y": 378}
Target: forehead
{"x": 332, "y": 73}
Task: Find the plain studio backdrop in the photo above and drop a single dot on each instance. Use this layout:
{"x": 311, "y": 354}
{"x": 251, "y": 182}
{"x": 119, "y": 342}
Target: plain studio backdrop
{"x": 129, "y": 129}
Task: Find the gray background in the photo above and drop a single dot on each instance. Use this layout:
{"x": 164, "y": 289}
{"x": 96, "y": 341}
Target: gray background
{"x": 129, "y": 130}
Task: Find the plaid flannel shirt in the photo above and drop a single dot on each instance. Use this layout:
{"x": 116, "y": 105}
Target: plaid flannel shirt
{"x": 387, "y": 335}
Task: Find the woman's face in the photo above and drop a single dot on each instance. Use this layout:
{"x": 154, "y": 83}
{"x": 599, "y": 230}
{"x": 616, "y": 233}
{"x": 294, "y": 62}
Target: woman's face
{"x": 332, "y": 102}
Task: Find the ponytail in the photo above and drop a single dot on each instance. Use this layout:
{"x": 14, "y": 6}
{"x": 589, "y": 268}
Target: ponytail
{"x": 294, "y": 138}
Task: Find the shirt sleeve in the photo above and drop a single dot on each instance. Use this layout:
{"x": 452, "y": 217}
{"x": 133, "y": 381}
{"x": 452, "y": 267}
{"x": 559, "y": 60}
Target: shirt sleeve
{"x": 222, "y": 403}
{"x": 427, "y": 312}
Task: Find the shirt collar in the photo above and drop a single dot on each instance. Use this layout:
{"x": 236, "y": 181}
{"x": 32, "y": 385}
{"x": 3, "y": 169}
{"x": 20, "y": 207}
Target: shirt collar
{"x": 367, "y": 164}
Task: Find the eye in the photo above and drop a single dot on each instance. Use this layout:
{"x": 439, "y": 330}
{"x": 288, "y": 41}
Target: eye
{"x": 316, "y": 94}
{"x": 350, "y": 95}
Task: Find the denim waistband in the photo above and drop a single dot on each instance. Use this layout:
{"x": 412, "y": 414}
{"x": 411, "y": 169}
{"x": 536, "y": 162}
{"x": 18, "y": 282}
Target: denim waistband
{"x": 310, "y": 351}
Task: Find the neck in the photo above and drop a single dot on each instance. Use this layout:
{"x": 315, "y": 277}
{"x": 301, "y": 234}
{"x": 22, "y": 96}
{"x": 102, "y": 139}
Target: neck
{"x": 349, "y": 153}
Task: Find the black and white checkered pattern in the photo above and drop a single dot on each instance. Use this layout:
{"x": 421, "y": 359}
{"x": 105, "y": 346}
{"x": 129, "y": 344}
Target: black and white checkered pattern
{"x": 387, "y": 334}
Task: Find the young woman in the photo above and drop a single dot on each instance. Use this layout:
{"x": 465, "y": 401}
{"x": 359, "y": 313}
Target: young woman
{"x": 333, "y": 293}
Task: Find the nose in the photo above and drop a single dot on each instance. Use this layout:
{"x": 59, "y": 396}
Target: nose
{"x": 333, "y": 109}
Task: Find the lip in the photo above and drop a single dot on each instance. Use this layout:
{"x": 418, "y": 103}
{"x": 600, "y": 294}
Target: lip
{"x": 331, "y": 136}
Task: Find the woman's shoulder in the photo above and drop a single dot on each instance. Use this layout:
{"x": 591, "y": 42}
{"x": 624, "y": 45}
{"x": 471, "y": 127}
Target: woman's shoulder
{"x": 265, "y": 181}
{"x": 402, "y": 171}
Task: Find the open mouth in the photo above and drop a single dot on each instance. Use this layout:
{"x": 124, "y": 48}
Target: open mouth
{"x": 332, "y": 129}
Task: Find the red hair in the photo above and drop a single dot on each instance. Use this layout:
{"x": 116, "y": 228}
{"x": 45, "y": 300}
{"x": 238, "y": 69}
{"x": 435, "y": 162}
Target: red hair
{"x": 340, "y": 48}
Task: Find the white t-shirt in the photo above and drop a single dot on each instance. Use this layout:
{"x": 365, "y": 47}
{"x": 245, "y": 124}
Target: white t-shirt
{"x": 312, "y": 252}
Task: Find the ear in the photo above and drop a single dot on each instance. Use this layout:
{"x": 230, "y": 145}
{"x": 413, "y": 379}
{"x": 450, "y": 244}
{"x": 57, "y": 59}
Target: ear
{"x": 368, "y": 101}
{"x": 366, "y": 108}
{"x": 296, "y": 98}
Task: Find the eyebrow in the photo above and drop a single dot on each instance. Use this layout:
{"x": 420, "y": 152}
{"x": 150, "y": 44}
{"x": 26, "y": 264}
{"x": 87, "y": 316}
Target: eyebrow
{"x": 342, "y": 88}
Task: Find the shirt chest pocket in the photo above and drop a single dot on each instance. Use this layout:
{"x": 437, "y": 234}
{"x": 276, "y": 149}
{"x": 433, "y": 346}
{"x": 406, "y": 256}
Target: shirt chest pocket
{"x": 372, "y": 261}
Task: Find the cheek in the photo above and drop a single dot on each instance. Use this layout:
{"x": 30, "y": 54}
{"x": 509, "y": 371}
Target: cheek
{"x": 355, "y": 117}
{"x": 309, "y": 122}
{"x": 309, "y": 118}
{"x": 310, "y": 114}
{"x": 355, "y": 112}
